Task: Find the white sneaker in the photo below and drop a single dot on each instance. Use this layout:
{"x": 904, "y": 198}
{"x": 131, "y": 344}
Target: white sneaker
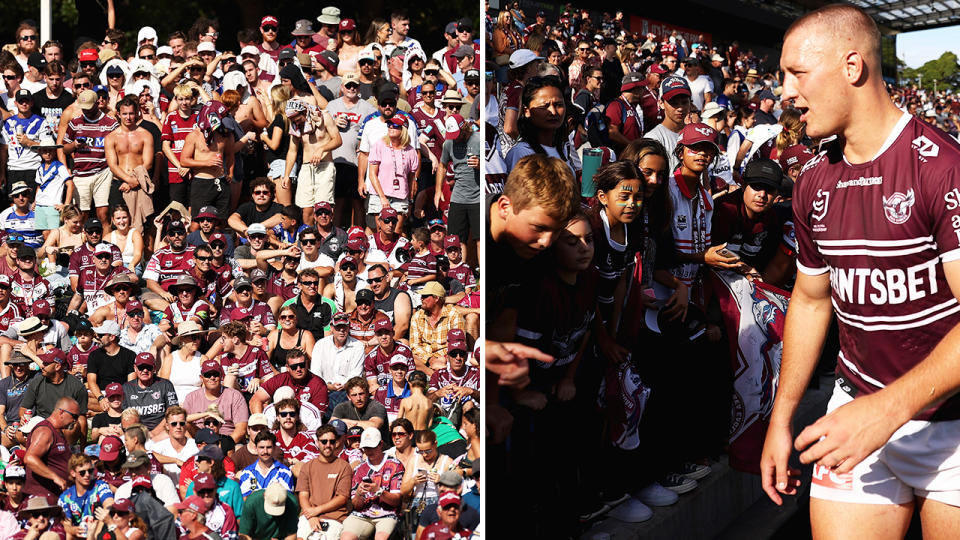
{"x": 678, "y": 483}
{"x": 631, "y": 511}
{"x": 694, "y": 471}
{"x": 656, "y": 495}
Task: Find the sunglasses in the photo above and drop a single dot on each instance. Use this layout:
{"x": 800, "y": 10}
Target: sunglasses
{"x": 137, "y": 314}
{"x": 30, "y": 38}
{"x": 218, "y": 245}
{"x": 351, "y": 86}
{"x": 120, "y": 75}
{"x": 177, "y": 424}
{"x": 211, "y": 375}
{"x": 431, "y": 72}
{"x": 326, "y": 442}
{"x": 120, "y": 287}
{"x": 375, "y": 279}
{"x": 261, "y": 192}
{"x": 309, "y": 283}
{"x": 206, "y": 493}
{"x": 268, "y": 28}
{"x": 429, "y": 92}
{"x": 388, "y": 103}
{"x": 245, "y": 290}
{"x": 366, "y": 62}
{"x": 452, "y": 107}
{"x": 308, "y": 241}
{"x": 104, "y": 256}
{"x": 298, "y": 366}
{"x": 148, "y": 57}
{"x": 145, "y": 367}
{"x": 177, "y": 233}
{"x": 256, "y": 236}
{"x": 88, "y": 64}
{"x": 84, "y": 472}
{"x": 398, "y": 434}
{"x": 287, "y": 414}
{"x": 348, "y": 268}
{"x": 72, "y": 414}
{"x": 458, "y": 354}
{"x": 27, "y": 259}
{"x": 9, "y": 77}
{"x": 79, "y": 85}
{"x": 201, "y": 258}
{"x": 288, "y": 317}
{"x": 211, "y": 422}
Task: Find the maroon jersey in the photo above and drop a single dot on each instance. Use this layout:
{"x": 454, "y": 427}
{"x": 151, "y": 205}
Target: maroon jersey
{"x": 439, "y": 531}
{"x": 512, "y": 94}
{"x": 755, "y": 239}
{"x": 388, "y": 476}
{"x": 11, "y": 314}
{"x": 622, "y": 114}
{"x": 175, "y": 131}
{"x": 26, "y": 291}
{"x": 431, "y": 126}
{"x": 420, "y": 265}
{"x": 277, "y": 286}
{"x": 78, "y": 357}
{"x": 254, "y": 364}
{"x": 260, "y": 311}
{"x": 377, "y": 362}
{"x": 881, "y": 229}
{"x": 301, "y": 448}
{"x": 82, "y": 258}
{"x": 90, "y": 158}
{"x": 91, "y": 283}
{"x": 463, "y": 274}
{"x": 166, "y": 265}
{"x": 313, "y": 390}
{"x": 57, "y": 459}
{"x": 444, "y": 377}
{"x": 214, "y": 286}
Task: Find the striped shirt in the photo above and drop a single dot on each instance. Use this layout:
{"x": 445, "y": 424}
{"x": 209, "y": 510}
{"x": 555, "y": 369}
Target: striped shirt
{"x": 251, "y": 480}
{"x": 90, "y": 159}
{"x": 19, "y": 157}
{"x": 175, "y": 130}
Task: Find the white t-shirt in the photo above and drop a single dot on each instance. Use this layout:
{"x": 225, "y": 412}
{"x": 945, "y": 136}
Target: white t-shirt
{"x": 51, "y": 183}
{"x": 162, "y": 485}
{"x": 669, "y": 141}
{"x": 165, "y": 448}
{"x": 698, "y": 88}
{"x": 322, "y": 260}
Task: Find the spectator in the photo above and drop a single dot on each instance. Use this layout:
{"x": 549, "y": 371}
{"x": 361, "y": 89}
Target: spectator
{"x": 48, "y": 451}
{"x": 378, "y": 364}
{"x": 266, "y": 470}
{"x": 273, "y": 513}
{"x": 152, "y": 395}
{"x": 360, "y": 410}
{"x": 375, "y": 494}
{"x": 337, "y": 358}
{"x": 430, "y": 325}
{"x": 308, "y": 387}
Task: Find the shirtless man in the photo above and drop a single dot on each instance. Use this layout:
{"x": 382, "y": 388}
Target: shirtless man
{"x": 889, "y": 442}
{"x": 208, "y": 153}
{"x": 343, "y": 290}
{"x": 129, "y": 150}
{"x": 417, "y": 408}
{"x": 316, "y": 131}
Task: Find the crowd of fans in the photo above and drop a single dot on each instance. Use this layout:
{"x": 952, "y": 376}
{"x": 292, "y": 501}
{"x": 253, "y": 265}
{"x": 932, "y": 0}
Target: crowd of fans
{"x": 239, "y": 290}
{"x": 622, "y": 171}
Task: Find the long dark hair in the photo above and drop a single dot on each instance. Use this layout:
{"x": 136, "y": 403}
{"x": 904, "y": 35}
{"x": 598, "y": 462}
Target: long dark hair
{"x": 529, "y": 132}
{"x": 658, "y": 205}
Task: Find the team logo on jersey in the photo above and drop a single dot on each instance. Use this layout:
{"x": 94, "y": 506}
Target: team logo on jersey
{"x": 681, "y": 222}
{"x": 820, "y": 205}
{"x": 897, "y": 207}
{"x": 925, "y": 147}
{"x": 156, "y": 395}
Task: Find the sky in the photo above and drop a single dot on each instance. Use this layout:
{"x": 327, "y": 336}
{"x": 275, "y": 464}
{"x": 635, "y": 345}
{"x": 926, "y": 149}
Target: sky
{"x": 917, "y": 48}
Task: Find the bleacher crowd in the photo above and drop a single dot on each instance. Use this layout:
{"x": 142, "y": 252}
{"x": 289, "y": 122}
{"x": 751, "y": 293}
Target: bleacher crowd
{"x": 238, "y": 286}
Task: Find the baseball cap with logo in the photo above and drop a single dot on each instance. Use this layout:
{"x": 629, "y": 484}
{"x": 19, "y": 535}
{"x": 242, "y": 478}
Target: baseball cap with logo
{"x": 203, "y": 481}
{"x": 145, "y": 359}
{"x": 256, "y": 228}
{"x": 632, "y": 80}
{"x": 193, "y": 503}
{"x": 42, "y": 307}
{"x": 370, "y": 438}
{"x": 137, "y": 458}
{"x": 347, "y": 25}
{"x": 451, "y": 241}
{"x": 211, "y": 366}
{"x": 697, "y": 133}
{"x": 113, "y": 390}
{"x": 673, "y": 86}
{"x": 206, "y": 436}
{"x": 453, "y": 124}
{"x": 87, "y": 99}
{"x": 382, "y": 324}
{"x": 88, "y": 55}
{"x": 340, "y": 319}
{"x": 268, "y": 19}
{"x": 322, "y": 206}
{"x": 110, "y": 448}
{"x": 134, "y": 306}
{"x": 388, "y": 212}
{"x": 208, "y": 212}
{"x": 141, "y": 481}
{"x": 449, "y": 498}
{"x": 797, "y": 154}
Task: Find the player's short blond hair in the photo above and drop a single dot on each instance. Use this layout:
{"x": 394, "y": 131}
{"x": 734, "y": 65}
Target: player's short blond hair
{"x": 844, "y": 22}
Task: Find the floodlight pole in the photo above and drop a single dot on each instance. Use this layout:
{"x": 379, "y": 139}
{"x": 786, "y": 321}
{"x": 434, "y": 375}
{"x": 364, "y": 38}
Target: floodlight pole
{"x": 46, "y": 28}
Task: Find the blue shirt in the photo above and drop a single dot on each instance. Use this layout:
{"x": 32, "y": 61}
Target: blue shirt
{"x": 228, "y": 491}
{"x": 76, "y": 507}
{"x": 251, "y": 480}
{"x": 20, "y": 158}
{"x": 25, "y": 225}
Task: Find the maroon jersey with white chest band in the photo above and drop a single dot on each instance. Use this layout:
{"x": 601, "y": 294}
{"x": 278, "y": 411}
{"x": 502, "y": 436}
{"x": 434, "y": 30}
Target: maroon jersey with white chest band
{"x": 883, "y": 229}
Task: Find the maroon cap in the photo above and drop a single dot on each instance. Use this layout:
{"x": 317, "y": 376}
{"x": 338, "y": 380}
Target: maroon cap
{"x": 399, "y": 360}
{"x": 268, "y": 19}
{"x": 388, "y": 212}
{"x": 141, "y": 481}
{"x": 110, "y": 448}
{"x": 113, "y": 389}
{"x": 697, "y": 133}
{"x": 208, "y": 212}
{"x": 348, "y": 259}
{"x": 456, "y": 334}
{"x": 657, "y": 68}
{"x": 322, "y": 205}
{"x": 134, "y": 305}
{"x": 448, "y": 498}
{"x": 357, "y": 243}
{"x": 194, "y": 503}
{"x": 211, "y": 365}
{"x": 451, "y": 241}
{"x": 456, "y": 345}
{"x": 145, "y": 358}
{"x": 203, "y": 481}
{"x": 353, "y": 232}
{"x": 797, "y": 154}
{"x": 42, "y": 307}
{"x": 218, "y": 237}
{"x": 347, "y": 25}
{"x": 56, "y": 355}
{"x": 396, "y": 122}
{"x": 88, "y": 55}
{"x": 122, "y": 505}
{"x": 340, "y": 319}
{"x": 383, "y": 324}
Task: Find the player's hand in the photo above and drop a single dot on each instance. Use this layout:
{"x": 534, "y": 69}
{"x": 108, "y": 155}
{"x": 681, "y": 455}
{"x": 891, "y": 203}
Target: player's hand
{"x": 849, "y": 434}
{"x": 776, "y": 475}
{"x": 437, "y": 199}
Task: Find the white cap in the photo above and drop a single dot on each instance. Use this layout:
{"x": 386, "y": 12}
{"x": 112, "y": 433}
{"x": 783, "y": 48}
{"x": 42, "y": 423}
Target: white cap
{"x": 206, "y": 46}
{"x": 147, "y": 32}
{"x": 164, "y": 49}
{"x": 250, "y": 49}
{"x": 931, "y": 113}
{"x": 256, "y": 228}
{"x": 282, "y": 393}
{"x": 275, "y": 499}
{"x": 711, "y": 109}
{"x": 522, "y": 57}
{"x": 370, "y": 438}
{"x": 108, "y": 327}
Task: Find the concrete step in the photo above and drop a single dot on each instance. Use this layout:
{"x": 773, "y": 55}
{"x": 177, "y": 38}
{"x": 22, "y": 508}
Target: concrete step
{"x": 727, "y": 504}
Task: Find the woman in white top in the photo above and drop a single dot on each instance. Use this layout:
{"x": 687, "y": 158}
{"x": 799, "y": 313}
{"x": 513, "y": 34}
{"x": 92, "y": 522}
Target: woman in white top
{"x": 182, "y": 366}
{"x": 67, "y": 237}
{"x": 128, "y": 239}
{"x": 426, "y": 466}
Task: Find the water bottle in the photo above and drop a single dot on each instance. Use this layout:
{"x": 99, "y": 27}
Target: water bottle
{"x": 592, "y": 158}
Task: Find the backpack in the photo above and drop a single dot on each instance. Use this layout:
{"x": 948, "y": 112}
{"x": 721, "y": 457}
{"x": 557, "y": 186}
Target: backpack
{"x": 595, "y": 122}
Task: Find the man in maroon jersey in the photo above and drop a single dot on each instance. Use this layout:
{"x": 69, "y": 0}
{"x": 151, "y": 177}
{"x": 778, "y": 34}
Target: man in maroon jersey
{"x": 175, "y": 130}
{"x": 9, "y": 312}
{"x": 376, "y": 364}
{"x": 48, "y": 452}
{"x": 877, "y": 219}
{"x": 457, "y": 380}
{"x": 386, "y": 239}
{"x": 166, "y": 265}
{"x": 309, "y": 388}
{"x": 82, "y": 257}
{"x": 84, "y": 139}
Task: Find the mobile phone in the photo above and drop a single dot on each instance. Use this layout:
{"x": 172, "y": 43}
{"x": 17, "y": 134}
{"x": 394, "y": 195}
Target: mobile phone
{"x": 727, "y": 253}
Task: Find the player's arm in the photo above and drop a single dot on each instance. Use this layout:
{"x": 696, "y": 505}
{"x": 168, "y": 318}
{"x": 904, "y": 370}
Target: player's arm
{"x": 846, "y": 436}
{"x": 808, "y": 320}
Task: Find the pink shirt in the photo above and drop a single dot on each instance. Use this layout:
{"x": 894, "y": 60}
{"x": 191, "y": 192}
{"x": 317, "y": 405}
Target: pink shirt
{"x": 397, "y": 167}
